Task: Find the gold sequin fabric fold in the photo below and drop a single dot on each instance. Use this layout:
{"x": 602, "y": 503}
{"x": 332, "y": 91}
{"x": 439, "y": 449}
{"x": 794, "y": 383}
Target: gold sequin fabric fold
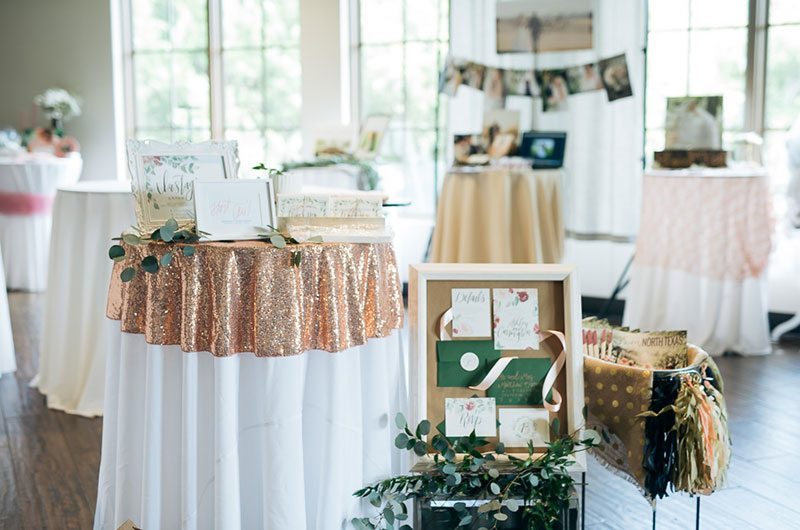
{"x": 246, "y": 296}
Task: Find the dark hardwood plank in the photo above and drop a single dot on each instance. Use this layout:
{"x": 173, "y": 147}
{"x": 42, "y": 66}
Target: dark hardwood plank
{"x": 10, "y": 510}
{"x": 48, "y": 485}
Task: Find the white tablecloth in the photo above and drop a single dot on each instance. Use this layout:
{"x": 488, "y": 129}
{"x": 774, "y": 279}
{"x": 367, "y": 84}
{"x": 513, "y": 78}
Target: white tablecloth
{"x": 192, "y": 441}
{"x": 26, "y": 238}
{"x": 8, "y": 361}
{"x": 701, "y": 258}
{"x": 86, "y": 216}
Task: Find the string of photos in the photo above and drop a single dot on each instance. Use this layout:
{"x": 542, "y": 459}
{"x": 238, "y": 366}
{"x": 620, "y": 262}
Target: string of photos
{"x": 552, "y": 85}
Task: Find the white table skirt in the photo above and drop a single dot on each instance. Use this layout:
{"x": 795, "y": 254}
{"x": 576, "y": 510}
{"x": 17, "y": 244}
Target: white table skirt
{"x": 192, "y": 441}
{"x": 8, "y": 361}
{"x": 719, "y": 315}
{"x": 26, "y": 238}
{"x": 86, "y": 216}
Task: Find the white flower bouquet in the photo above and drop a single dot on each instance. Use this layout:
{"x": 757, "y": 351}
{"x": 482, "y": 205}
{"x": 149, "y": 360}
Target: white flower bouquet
{"x": 58, "y": 104}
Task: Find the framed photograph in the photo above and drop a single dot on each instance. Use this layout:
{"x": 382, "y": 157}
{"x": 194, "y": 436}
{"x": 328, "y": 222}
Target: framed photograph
{"x": 234, "y": 209}
{"x": 500, "y": 132}
{"x": 694, "y": 123}
{"x": 532, "y": 26}
{"x": 498, "y": 377}
{"x": 371, "y": 136}
{"x": 614, "y": 73}
{"x": 163, "y": 176}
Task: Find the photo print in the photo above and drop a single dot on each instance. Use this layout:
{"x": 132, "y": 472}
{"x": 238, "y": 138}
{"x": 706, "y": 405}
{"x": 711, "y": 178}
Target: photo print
{"x": 500, "y": 132}
{"x": 554, "y": 90}
{"x": 473, "y": 75}
{"x": 530, "y": 26}
{"x": 584, "y": 78}
{"x": 520, "y": 83}
{"x": 494, "y": 93}
{"x": 694, "y": 123}
{"x": 614, "y": 73}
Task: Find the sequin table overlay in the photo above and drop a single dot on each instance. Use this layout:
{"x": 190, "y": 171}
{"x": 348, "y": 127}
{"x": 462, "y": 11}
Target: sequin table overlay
{"x": 246, "y": 296}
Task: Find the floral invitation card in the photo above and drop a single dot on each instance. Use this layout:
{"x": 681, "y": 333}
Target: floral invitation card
{"x": 463, "y": 415}
{"x": 471, "y": 313}
{"x": 518, "y": 426}
{"x": 516, "y": 319}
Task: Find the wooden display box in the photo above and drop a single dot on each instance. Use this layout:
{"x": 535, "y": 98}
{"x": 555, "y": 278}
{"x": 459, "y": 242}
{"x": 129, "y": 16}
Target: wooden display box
{"x": 430, "y": 288}
{"x": 683, "y": 158}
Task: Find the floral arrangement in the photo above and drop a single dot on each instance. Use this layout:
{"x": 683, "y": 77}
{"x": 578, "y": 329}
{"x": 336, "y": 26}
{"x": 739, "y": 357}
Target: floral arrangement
{"x": 535, "y": 488}
{"x": 58, "y": 104}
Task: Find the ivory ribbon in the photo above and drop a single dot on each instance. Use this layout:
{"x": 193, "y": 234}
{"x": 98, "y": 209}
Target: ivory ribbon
{"x": 13, "y": 203}
{"x": 549, "y": 380}
{"x": 502, "y": 363}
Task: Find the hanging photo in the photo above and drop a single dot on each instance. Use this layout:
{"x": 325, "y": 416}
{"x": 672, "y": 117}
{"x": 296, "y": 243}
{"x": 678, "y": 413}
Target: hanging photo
{"x": 520, "y": 83}
{"x": 584, "y": 78}
{"x": 554, "y": 90}
{"x": 500, "y": 132}
{"x": 614, "y": 73}
{"x": 473, "y": 75}
{"x": 527, "y": 26}
{"x": 494, "y": 89}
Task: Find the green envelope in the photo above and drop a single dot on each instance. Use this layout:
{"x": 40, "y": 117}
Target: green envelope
{"x": 520, "y": 383}
{"x": 448, "y": 356}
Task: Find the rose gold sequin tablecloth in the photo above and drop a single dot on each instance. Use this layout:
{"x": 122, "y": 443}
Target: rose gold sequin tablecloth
{"x": 499, "y": 215}
{"x": 246, "y": 297}
{"x": 701, "y": 257}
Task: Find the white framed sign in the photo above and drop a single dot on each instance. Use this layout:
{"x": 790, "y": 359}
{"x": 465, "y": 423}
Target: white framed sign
{"x": 234, "y": 209}
{"x": 522, "y": 385}
{"x": 163, "y": 176}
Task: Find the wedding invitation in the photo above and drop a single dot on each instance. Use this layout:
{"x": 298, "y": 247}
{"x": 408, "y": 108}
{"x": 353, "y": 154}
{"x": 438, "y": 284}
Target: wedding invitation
{"x": 521, "y": 382}
{"x": 518, "y": 426}
{"x": 516, "y": 319}
{"x": 471, "y": 313}
{"x": 463, "y": 363}
{"x": 463, "y": 415}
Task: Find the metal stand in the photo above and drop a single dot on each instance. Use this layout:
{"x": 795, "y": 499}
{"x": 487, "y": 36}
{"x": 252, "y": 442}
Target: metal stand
{"x": 622, "y": 283}
{"x": 697, "y": 515}
{"x": 583, "y": 500}
{"x": 654, "y": 518}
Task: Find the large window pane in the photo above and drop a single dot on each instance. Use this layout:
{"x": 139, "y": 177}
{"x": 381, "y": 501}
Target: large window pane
{"x": 381, "y": 21}
{"x": 382, "y": 70}
{"x": 783, "y": 81}
{"x": 152, "y": 89}
{"x": 717, "y": 13}
{"x": 422, "y": 85}
{"x": 783, "y": 11}
{"x": 243, "y": 23}
{"x": 283, "y": 88}
{"x": 666, "y": 73}
{"x": 423, "y": 19}
{"x": 668, "y": 14}
{"x": 717, "y": 65}
{"x": 189, "y": 27}
{"x": 244, "y": 89}
{"x": 191, "y": 90}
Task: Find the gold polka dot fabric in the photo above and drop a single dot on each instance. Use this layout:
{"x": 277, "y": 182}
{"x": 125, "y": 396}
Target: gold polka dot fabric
{"x": 614, "y": 396}
{"x": 246, "y": 296}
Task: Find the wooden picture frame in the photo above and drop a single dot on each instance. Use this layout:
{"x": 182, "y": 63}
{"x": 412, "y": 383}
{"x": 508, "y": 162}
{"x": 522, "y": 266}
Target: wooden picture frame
{"x": 559, "y": 302}
{"x": 163, "y": 175}
{"x": 230, "y": 210}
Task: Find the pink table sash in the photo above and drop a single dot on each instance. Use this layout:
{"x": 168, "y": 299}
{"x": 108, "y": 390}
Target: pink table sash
{"x": 715, "y": 227}
{"x": 15, "y": 203}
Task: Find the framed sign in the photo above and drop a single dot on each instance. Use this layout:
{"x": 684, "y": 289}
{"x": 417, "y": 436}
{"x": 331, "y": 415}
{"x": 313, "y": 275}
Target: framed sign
{"x": 163, "y": 176}
{"x": 508, "y": 379}
{"x": 234, "y": 209}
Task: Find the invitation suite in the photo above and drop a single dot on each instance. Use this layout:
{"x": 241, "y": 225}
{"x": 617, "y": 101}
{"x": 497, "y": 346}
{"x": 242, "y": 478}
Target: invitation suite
{"x": 471, "y": 313}
{"x": 516, "y": 319}
{"x": 463, "y": 415}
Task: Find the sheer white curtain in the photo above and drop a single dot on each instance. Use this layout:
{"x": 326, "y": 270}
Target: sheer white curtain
{"x": 604, "y": 139}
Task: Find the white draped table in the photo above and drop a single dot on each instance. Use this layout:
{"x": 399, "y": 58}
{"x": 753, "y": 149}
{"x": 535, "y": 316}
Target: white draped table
{"x": 338, "y": 176}
{"x": 8, "y": 362}
{"x": 28, "y": 185}
{"x": 86, "y": 215}
{"x": 276, "y": 439}
{"x": 701, "y": 258}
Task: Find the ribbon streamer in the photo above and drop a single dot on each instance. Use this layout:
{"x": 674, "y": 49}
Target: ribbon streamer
{"x": 549, "y": 379}
{"x": 444, "y": 320}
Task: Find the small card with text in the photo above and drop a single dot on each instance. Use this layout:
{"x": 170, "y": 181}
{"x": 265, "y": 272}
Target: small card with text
{"x": 516, "y": 319}
{"x": 471, "y": 313}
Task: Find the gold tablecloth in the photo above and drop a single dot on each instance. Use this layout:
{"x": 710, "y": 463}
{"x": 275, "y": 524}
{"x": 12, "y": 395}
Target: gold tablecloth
{"x": 246, "y": 297}
{"x": 499, "y": 215}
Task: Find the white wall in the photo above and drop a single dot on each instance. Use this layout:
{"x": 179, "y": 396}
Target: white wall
{"x": 64, "y": 43}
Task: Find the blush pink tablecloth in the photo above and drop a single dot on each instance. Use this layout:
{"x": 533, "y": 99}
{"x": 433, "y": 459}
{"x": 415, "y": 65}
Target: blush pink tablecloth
{"x": 701, "y": 256}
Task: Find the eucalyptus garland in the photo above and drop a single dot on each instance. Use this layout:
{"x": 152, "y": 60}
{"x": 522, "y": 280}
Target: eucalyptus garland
{"x": 538, "y": 486}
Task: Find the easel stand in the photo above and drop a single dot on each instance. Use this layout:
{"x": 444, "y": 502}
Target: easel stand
{"x": 696, "y": 514}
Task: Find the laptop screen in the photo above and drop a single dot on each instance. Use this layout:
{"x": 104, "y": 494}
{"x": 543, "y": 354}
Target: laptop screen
{"x": 544, "y": 149}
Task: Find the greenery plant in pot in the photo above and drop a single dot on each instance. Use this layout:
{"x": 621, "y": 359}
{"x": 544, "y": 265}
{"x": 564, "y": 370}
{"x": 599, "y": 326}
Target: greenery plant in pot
{"x": 534, "y": 489}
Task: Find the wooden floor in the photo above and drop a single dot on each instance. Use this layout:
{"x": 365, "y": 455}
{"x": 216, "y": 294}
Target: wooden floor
{"x": 49, "y": 460}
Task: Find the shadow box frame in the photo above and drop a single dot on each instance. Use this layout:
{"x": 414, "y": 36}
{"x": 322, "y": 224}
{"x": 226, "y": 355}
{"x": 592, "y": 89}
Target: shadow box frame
{"x": 423, "y": 326}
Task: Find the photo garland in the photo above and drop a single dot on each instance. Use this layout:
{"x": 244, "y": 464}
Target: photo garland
{"x": 552, "y": 85}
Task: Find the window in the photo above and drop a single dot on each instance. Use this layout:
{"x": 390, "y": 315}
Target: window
{"x": 696, "y": 47}
{"x": 199, "y": 69}
{"x": 399, "y": 48}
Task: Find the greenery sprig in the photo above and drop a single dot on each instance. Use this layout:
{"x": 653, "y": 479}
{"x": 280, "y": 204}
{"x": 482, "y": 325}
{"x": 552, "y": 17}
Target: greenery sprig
{"x": 169, "y": 233}
{"x": 538, "y": 486}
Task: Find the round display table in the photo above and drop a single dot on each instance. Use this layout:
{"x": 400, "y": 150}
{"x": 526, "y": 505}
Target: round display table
{"x": 243, "y": 392}
{"x": 499, "y": 215}
{"x": 75, "y": 338}
{"x": 28, "y": 185}
{"x": 701, "y": 258}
